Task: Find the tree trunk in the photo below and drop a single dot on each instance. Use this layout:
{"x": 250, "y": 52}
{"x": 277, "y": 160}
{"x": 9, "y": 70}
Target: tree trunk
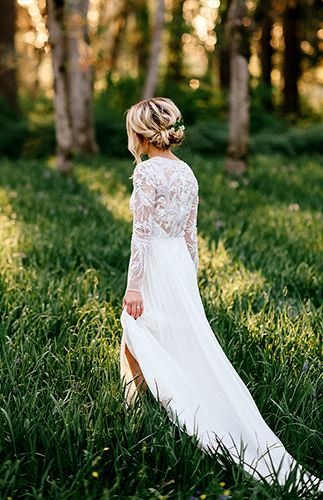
{"x": 115, "y": 49}
{"x": 143, "y": 42}
{"x": 176, "y": 30}
{"x": 238, "y": 38}
{"x": 223, "y": 48}
{"x": 291, "y": 69}
{"x": 224, "y": 68}
{"x": 81, "y": 80}
{"x": 266, "y": 63}
{"x": 266, "y": 49}
{"x": 155, "y": 52}
{"x": 72, "y": 80}
{"x": 8, "y": 80}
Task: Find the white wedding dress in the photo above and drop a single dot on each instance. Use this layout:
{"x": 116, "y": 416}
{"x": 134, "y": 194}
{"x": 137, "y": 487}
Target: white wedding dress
{"x": 180, "y": 358}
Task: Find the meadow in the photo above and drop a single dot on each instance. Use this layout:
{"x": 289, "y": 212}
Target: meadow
{"x": 65, "y": 430}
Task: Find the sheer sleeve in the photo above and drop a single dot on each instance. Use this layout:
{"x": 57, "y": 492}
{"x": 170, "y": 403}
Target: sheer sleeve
{"x": 141, "y": 204}
{"x": 191, "y": 234}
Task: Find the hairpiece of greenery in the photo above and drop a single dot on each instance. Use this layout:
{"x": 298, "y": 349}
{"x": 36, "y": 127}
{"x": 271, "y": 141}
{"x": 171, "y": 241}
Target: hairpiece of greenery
{"x": 178, "y": 125}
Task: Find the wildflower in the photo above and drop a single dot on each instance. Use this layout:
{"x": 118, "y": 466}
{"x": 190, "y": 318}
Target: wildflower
{"x": 106, "y": 448}
{"x": 198, "y": 493}
{"x": 222, "y": 484}
{"x": 17, "y": 360}
{"x": 22, "y": 255}
{"x": 234, "y": 184}
{"x": 95, "y": 474}
{"x": 203, "y": 497}
{"x": 293, "y": 206}
{"x": 225, "y": 496}
{"x": 85, "y": 211}
{"x": 305, "y": 366}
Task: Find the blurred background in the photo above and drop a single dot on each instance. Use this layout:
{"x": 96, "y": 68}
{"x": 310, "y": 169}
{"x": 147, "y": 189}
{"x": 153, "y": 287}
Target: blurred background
{"x": 176, "y": 48}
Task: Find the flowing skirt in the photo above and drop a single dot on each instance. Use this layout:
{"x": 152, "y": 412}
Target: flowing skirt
{"x": 186, "y": 369}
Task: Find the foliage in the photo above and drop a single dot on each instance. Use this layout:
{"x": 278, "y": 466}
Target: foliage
{"x": 13, "y": 131}
{"x": 110, "y": 131}
{"x": 211, "y": 138}
{"x": 32, "y": 135}
{"x": 196, "y": 105}
{"x": 208, "y": 138}
{"x": 119, "y": 95}
{"x": 65, "y": 431}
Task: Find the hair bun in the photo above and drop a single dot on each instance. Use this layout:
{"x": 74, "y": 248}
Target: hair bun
{"x": 158, "y": 120}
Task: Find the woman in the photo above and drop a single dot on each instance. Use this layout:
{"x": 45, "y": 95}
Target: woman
{"x": 167, "y": 341}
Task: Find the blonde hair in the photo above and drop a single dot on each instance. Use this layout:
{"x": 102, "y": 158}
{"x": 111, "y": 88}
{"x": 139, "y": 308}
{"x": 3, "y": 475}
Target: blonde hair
{"x": 153, "y": 120}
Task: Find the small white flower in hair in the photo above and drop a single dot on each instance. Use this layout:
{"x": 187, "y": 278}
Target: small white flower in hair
{"x": 178, "y": 125}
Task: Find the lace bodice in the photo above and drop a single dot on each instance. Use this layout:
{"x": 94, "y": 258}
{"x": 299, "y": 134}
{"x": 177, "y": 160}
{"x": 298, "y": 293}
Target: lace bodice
{"x": 164, "y": 204}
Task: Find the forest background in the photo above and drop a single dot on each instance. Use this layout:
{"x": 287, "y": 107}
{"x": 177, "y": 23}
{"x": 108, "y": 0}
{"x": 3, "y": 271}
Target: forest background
{"x": 65, "y": 229}
{"x": 283, "y": 45}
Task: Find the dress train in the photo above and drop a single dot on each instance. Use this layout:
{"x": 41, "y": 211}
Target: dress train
{"x": 186, "y": 369}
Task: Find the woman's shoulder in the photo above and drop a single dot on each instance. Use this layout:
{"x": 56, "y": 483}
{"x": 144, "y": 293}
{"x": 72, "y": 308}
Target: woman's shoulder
{"x": 144, "y": 168}
{"x": 190, "y": 174}
{"x": 144, "y": 173}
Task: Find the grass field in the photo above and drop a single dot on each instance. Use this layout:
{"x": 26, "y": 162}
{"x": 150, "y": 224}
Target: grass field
{"x": 65, "y": 432}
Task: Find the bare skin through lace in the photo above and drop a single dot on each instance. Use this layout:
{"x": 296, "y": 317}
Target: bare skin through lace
{"x": 164, "y": 204}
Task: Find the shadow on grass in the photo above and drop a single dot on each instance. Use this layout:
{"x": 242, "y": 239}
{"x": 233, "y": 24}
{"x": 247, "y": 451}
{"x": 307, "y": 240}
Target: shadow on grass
{"x": 65, "y": 417}
{"x": 270, "y": 221}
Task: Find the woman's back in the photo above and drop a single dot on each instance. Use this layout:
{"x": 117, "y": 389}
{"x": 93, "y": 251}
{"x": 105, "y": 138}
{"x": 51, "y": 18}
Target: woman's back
{"x": 169, "y": 188}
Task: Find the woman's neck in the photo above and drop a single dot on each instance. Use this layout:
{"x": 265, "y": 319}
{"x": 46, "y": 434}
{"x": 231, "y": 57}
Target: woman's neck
{"x": 153, "y": 151}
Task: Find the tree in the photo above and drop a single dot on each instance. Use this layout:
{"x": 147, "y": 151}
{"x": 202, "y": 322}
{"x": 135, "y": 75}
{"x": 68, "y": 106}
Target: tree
{"x": 238, "y": 37}
{"x": 292, "y": 58}
{"x": 176, "y": 29}
{"x": 155, "y": 52}
{"x": 264, "y": 17}
{"x": 8, "y": 80}
{"x": 143, "y": 35}
{"x": 71, "y": 58}
{"x": 223, "y": 48}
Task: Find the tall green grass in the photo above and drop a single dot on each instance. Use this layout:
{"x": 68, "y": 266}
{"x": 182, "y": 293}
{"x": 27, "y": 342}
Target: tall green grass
{"x": 65, "y": 431}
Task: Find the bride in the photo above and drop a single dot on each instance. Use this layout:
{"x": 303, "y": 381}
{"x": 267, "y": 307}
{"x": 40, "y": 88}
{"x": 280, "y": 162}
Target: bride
{"x": 167, "y": 342}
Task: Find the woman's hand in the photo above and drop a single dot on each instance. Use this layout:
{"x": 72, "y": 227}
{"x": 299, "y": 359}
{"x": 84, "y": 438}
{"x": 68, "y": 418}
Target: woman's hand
{"x": 133, "y": 303}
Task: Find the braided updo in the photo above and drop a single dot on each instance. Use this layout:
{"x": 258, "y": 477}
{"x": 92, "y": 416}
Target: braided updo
{"x": 154, "y": 120}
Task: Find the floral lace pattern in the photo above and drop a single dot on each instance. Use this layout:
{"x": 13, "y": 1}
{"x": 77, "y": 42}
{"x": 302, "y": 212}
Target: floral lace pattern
{"x": 164, "y": 204}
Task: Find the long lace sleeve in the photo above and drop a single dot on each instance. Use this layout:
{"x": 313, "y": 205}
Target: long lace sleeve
{"x": 191, "y": 234}
{"x": 141, "y": 204}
